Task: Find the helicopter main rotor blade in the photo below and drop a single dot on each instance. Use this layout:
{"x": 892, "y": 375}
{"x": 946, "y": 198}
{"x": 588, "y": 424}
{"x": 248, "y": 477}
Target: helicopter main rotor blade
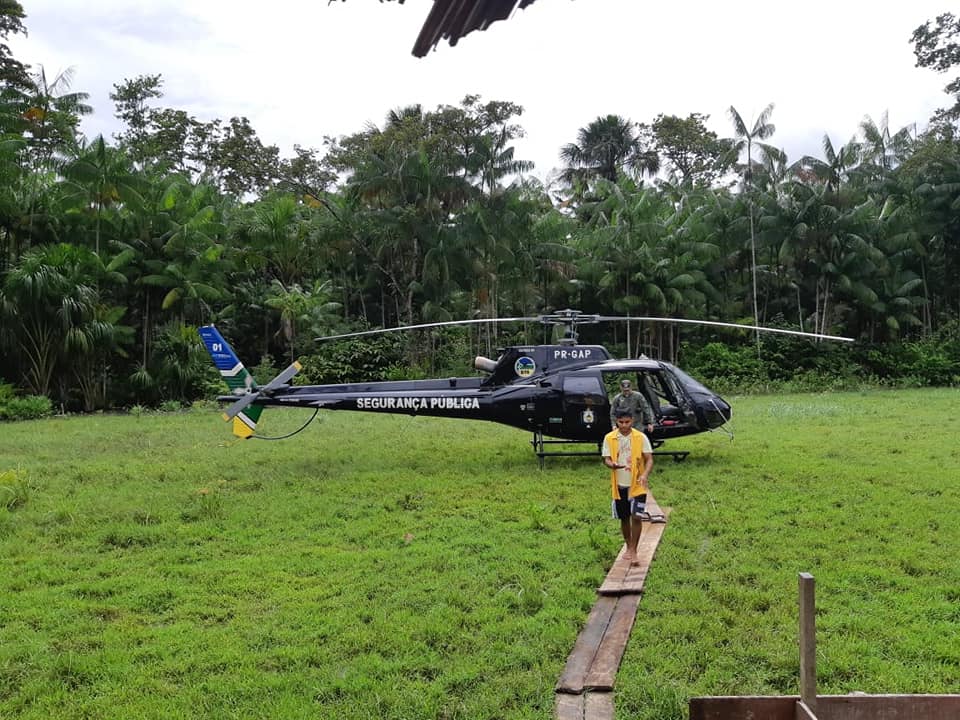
{"x": 428, "y": 325}
{"x": 737, "y": 326}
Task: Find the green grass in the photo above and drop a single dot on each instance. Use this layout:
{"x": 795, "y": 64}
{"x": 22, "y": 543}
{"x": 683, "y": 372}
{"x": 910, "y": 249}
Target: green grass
{"x": 396, "y": 567}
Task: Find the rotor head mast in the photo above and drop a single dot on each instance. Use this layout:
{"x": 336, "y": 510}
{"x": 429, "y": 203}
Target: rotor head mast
{"x": 569, "y": 319}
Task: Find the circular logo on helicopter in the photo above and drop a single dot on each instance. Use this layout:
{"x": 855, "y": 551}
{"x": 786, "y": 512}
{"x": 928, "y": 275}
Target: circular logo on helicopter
{"x": 525, "y": 367}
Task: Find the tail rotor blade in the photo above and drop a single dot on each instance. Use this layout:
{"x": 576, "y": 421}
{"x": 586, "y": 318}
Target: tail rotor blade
{"x": 239, "y": 406}
{"x": 284, "y": 377}
{"x": 245, "y": 400}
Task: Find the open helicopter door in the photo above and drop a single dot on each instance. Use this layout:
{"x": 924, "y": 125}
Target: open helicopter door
{"x": 669, "y": 401}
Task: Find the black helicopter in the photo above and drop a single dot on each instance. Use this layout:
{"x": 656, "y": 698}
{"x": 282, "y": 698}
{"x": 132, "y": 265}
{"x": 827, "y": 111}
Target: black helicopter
{"x": 558, "y": 391}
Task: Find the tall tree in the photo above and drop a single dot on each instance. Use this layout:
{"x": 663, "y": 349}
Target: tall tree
{"x": 130, "y": 98}
{"x": 744, "y": 139}
{"x": 691, "y": 152}
{"x": 881, "y": 149}
{"x": 12, "y": 71}
{"x": 98, "y": 178}
{"x": 53, "y": 114}
{"x": 936, "y": 47}
{"x": 607, "y": 148}
{"x": 834, "y": 169}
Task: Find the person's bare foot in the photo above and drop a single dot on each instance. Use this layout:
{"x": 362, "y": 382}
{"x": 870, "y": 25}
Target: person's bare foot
{"x": 635, "y": 562}
{"x": 630, "y": 557}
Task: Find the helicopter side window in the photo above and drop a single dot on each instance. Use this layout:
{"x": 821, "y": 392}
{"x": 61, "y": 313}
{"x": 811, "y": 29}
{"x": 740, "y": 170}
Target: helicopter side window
{"x": 584, "y": 390}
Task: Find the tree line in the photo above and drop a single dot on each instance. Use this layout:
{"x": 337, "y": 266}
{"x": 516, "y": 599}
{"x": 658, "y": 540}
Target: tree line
{"x": 112, "y": 251}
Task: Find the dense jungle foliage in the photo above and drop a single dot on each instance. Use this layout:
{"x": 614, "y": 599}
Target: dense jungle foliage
{"x": 112, "y": 251}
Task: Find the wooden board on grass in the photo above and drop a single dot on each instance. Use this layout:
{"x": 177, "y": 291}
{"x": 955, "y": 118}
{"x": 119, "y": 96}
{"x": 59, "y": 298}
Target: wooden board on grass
{"x": 623, "y": 578}
{"x": 573, "y": 678}
{"x": 603, "y": 669}
{"x": 596, "y": 655}
{"x": 588, "y": 706}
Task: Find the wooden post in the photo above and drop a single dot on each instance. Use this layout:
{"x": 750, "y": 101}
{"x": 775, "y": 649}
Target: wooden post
{"x": 808, "y": 642}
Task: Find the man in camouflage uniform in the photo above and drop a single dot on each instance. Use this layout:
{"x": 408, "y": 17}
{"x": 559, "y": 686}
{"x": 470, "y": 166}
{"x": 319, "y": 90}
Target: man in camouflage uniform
{"x": 636, "y": 404}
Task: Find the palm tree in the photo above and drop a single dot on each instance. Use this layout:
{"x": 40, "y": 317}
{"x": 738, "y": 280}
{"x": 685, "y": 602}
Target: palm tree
{"x": 195, "y": 259}
{"x": 744, "y": 139}
{"x": 496, "y": 160}
{"x": 605, "y": 149}
{"x": 834, "y": 169}
{"x": 622, "y": 244}
{"x": 408, "y": 196}
{"x": 100, "y": 177}
{"x": 880, "y": 148}
{"x": 298, "y": 306}
{"x": 12, "y": 210}
{"x": 278, "y": 232}
{"x": 53, "y": 114}
{"x": 51, "y": 300}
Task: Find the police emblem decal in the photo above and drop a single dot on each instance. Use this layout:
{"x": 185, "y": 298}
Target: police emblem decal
{"x": 588, "y": 417}
{"x": 525, "y": 366}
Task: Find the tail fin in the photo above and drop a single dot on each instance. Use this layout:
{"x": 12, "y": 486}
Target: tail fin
{"x": 238, "y": 379}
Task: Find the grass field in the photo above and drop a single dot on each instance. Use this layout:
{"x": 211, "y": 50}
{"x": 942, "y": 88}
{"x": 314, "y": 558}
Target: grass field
{"x": 405, "y": 568}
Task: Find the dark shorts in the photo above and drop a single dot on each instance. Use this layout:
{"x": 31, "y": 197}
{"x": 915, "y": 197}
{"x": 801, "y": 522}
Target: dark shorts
{"x": 627, "y": 506}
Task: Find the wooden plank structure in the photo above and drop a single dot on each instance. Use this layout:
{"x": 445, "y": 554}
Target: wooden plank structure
{"x": 829, "y": 707}
{"x": 584, "y": 690}
{"x": 625, "y": 578}
{"x": 588, "y": 705}
{"x": 810, "y": 706}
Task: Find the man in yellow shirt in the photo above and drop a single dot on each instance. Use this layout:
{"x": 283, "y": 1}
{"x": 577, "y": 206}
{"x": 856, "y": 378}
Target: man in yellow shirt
{"x": 629, "y": 455}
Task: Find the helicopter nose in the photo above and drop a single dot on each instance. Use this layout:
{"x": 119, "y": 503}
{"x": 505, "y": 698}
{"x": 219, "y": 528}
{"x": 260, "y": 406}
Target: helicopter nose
{"x": 723, "y": 410}
{"x": 716, "y": 411}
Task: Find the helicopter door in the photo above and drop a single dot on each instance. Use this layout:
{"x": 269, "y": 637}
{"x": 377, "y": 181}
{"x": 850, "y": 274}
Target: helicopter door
{"x": 584, "y": 406}
{"x": 682, "y": 409}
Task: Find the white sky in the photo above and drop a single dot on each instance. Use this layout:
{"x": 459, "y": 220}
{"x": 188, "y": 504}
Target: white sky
{"x": 303, "y": 69}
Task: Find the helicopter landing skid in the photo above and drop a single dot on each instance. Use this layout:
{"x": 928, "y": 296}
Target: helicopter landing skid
{"x": 539, "y": 449}
{"x": 677, "y": 455}
{"x": 539, "y": 444}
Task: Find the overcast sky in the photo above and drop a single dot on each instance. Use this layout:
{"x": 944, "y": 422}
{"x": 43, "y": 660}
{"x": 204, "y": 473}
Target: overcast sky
{"x": 303, "y": 69}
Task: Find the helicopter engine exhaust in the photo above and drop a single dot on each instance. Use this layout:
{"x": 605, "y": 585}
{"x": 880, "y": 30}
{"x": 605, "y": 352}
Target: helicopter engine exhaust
{"x": 484, "y": 364}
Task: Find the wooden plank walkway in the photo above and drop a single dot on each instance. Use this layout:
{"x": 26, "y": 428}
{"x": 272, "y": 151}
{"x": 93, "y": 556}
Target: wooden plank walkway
{"x": 595, "y": 706}
{"x": 624, "y": 578}
{"x": 584, "y": 690}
